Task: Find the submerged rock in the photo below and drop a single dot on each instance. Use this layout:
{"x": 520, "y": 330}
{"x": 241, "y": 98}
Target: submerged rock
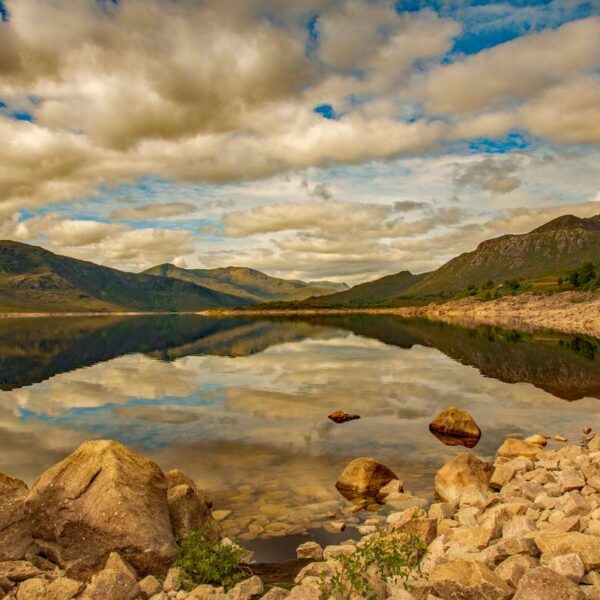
{"x": 363, "y": 478}
{"x": 101, "y": 499}
{"x": 454, "y": 426}
{"x": 339, "y": 416}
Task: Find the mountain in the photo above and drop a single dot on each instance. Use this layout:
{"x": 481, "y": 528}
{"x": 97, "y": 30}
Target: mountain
{"x": 552, "y": 249}
{"x": 330, "y": 285}
{"x": 245, "y": 283}
{"x": 35, "y": 280}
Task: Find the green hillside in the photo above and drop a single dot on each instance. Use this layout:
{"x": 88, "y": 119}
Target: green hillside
{"x": 550, "y": 251}
{"x": 245, "y": 283}
{"x": 35, "y": 280}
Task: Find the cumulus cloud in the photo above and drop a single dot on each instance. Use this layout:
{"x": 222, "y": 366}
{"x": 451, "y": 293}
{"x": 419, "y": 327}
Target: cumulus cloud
{"x": 492, "y": 175}
{"x": 152, "y": 211}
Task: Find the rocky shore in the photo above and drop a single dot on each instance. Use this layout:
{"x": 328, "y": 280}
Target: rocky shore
{"x": 104, "y": 524}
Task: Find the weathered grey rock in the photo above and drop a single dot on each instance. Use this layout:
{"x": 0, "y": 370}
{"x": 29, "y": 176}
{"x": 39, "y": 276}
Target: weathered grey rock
{"x": 585, "y": 546}
{"x": 455, "y": 422}
{"x": 513, "y": 448}
{"x": 33, "y": 589}
{"x": 310, "y": 550}
{"x": 514, "y": 567}
{"x": 459, "y": 473}
{"x": 247, "y": 589}
{"x": 100, "y": 499}
{"x": 15, "y": 526}
{"x": 64, "y": 588}
{"x": 363, "y": 478}
{"x": 567, "y": 565}
{"x": 544, "y": 584}
{"x": 150, "y": 586}
{"x": 117, "y": 581}
{"x": 468, "y": 580}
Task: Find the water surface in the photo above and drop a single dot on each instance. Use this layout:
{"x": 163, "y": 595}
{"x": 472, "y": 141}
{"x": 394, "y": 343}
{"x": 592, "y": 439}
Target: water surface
{"x": 241, "y": 404}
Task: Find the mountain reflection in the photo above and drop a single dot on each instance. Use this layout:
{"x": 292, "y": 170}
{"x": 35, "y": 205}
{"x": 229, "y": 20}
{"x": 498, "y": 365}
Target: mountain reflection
{"x": 34, "y": 350}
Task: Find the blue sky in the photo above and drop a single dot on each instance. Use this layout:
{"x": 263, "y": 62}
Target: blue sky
{"x": 340, "y": 139}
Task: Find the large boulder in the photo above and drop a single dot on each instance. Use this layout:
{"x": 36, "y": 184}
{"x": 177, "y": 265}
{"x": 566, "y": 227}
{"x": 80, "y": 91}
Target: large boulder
{"x": 454, "y": 426}
{"x": 514, "y": 448}
{"x": 363, "y": 478}
{"x": 15, "y": 527}
{"x": 545, "y": 584}
{"x": 189, "y": 508}
{"x": 468, "y": 580}
{"x": 461, "y": 472}
{"x": 103, "y": 498}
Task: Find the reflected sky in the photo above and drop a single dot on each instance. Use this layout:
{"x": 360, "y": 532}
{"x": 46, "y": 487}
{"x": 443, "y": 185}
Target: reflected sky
{"x": 246, "y": 402}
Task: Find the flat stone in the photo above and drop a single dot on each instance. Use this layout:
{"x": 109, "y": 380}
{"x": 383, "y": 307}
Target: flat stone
{"x": 64, "y": 588}
{"x": 220, "y": 515}
{"x": 544, "y": 584}
{"x": 513, "y": 448}
{"x": 18, "y": 570}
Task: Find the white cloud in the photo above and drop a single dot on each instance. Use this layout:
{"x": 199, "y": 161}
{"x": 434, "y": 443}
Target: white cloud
{"x": 152, "y": 211}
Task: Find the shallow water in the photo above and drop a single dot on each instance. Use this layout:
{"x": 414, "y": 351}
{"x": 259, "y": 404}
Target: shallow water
{"x": 242, "y": 404}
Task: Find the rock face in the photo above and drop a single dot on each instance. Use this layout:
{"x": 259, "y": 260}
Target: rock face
{"x": 15, "y": 526}
{"x": 363, "y": 478}
{"x": 339, "y": 416}
{"x": 460, "y": 473}
{"x": 457, "y": 424}
{"x": 100, "y": 499}
{"x": 544, "y": 584}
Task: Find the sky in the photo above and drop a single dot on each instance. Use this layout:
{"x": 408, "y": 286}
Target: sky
{"x": 313, "y": 139}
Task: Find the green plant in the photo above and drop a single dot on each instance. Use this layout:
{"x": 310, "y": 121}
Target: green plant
{"x": 382, "y": 556}
{"x": 207, "y": 561}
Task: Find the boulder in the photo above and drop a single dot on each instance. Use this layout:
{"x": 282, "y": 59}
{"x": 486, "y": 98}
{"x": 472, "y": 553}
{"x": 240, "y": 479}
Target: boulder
{"x": 459, "y": 473}
{"x": 33, "y": 589}
{"x": 587, "y": 547}
{"x": 189, "y": 508}
{"x": 15, "y": 527}
{"x": 117, "y": 581}
{"x": 18, "y": 570}
{"x": 64, "y": 588}
{"x": 568, "y": 565}
{"x": 513, "y": 448}
{"x": 514, "y": 567}
{"x": 339, "y": 416}
{"x": 543, "y": 584}
{"x": 101, "y": 499}
{"x": 310, "y": 550}
{"x": 363, "y": 478}
{"x": 468, "y": 580}
{"x": 455, "y": 423}
{"x": 247, "y": 589}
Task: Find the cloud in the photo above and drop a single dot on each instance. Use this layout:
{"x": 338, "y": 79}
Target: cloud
{"x": 410, "y": 205}
{"x": 152, "y": 211}
{"x": 492, "y": 175}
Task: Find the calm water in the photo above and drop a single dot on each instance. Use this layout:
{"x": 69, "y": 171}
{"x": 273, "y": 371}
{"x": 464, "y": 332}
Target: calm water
{"x": 242, "y": 404}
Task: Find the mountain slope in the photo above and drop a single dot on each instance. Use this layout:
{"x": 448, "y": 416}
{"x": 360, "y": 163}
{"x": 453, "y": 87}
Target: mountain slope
{"x": 245, "y": 283}
{"x": 33, "y": 279}
{"x": 559, "y": 245}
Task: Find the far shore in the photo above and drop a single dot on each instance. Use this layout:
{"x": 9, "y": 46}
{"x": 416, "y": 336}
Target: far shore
{"x": 570, "y": 312}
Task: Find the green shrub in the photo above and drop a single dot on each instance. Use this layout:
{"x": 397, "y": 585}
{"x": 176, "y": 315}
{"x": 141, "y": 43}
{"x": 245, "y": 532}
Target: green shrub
{"x": 206, "y": 561}
{"x": 383, "y": 555}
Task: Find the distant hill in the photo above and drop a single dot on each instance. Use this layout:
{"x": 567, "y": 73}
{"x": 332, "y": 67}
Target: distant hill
{"x": 246, "y": 283}
{"x": 35, "y": 280}
{"x": 554, "y": 248}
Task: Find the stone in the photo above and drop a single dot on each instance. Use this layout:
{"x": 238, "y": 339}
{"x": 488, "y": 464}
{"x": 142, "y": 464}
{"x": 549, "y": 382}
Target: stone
{"x": 518, "y": 526}
{"x": 514, "y": 567}
{"x": 573, "y": 503}
{"x": 586, "y": 430}
{"x": 424, "y": 529}
{"x": 441, "y": 510}
{"x": 363, "y": 478}
{"x": 100, "y": 499}
{"x": 503, "y": 473}
{"x": 33, "y": 589}
{"x": 15, "y": 526}
{"x": 247, "y": 589}
{"x": 117, "y": 581}
{"x": 64, "y": 588}
{"x": 459, "y": 473}
{"x": 393, "y": 487}
{"x": 560, "y": 438}
{"x": 316, "y": 569}
{"x": 334, "y": 551}
{"x": 310, "y": 550}
{"x": 339, "y": 416}
{"x": 538, "y": 439}
{"x": 220, "y": 515}
{"x": 335, "y": 526}
{"x": 513, "y": 448}
{"x": 276, "y": 593}
{"x": 585, "y": 546}
{"x": 205, "y": 591}
{"x": 472, "y": 538}
{"x": 567, "y": 565}
{"x": 150, "y": 586}
{"x": 18, "y": 570}
{"x": 468, "y": 580}
{"x": 454, "y": 422}
{"x": 542, "y": 583}
{"x": 570, "y": 479}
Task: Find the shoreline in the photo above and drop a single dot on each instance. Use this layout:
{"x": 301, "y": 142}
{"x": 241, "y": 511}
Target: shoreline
{"x": 569, "y": 312}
